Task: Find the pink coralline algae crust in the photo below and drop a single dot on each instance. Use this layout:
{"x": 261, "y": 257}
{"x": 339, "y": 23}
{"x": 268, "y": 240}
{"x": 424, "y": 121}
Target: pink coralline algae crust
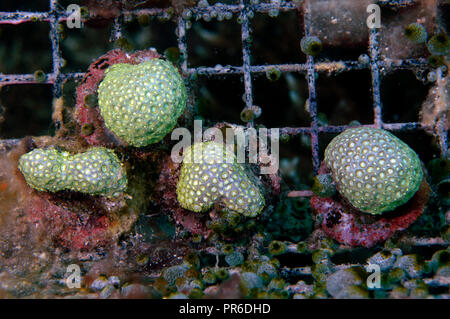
{"x": 86, "y": 115}
{"x": 69, "y": 227}
{"x": 349, "y": 226}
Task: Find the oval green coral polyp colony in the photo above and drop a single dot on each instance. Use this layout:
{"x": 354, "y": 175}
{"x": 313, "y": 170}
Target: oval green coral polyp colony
{"x": 210, "y": 173}
{"x": 373, "y": 169}
{"x": 141, "y": 103}
{"x": 97, "y": 171}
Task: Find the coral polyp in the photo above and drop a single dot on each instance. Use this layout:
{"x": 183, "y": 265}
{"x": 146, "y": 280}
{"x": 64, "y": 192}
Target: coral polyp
{"x": 97, "y": 171}
{"x": 142, "y": 103}
{"x": 373, "y": 169}
{"x": 211, "y": 173}
{"x": 311, "y": 45}
{"x": 439, "y": 44}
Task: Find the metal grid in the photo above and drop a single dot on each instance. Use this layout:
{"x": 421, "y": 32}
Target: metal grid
{"x": 244, "y": 10}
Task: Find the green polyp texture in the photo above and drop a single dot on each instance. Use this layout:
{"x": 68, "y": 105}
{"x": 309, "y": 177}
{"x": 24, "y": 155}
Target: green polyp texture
{"x": 373, "y": 169}
{"x": 98, "y": 171}
{"x": 436, "y": 61}
{"x": 209, "y": 174}
{"x": 142, "y": 103}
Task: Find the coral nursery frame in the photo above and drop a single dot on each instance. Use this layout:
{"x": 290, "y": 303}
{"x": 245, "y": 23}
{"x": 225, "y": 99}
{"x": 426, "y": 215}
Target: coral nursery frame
{"x": 242, "y": 9}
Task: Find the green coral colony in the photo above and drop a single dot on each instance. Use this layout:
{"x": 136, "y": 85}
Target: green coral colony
{"x": 98, "y": 171}
{"x": 211, "y": 173}
{"x": 141, "y": 103}
{"x": 373, "y": 169}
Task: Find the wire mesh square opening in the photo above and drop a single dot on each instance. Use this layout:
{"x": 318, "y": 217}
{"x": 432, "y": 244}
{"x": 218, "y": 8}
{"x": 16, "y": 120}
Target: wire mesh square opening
{"x": 275, "y": 40}
{"x": 216, "y": 104}
{"x": 402, "y": 96}
{"x": 80, "y": 46}
{"x": 345, "y": 97}
{"x": 212, "y": 43}
{"x": 26, "y": 114}
{"x": 145, "y": 32}
{"x": 289, "y": 93}
{"x": 21, "y": 53}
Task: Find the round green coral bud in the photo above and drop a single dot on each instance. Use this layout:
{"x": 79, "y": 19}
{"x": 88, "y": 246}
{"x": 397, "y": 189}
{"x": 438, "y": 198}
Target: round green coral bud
{"x": 373, "y": 169}
{"x": 436, "y": 61}
{"x": 90, "y": 100}
{"x": 247, "y": 115}
{"x": 173, "y": 54}
{"x": 273, "y": 74}
{"x": 222, "y": 274}
{"x": 210, "y": 173}
{"x": 40, "y": 76}
{"x": 416, "y": 33}
{"x": 323, "y": 185}
{"x": 141, "y": 103}
{"x": 277, "y": 248}
{"x": 439, "y": 44}
{"x": 97, "y": 171}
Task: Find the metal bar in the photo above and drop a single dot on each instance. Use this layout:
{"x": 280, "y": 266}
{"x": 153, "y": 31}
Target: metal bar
{"x": 56, "y": 54}
{"x": 312, "y": 99}
{"x": 181, "y": 37}
{"x": 320, "y": 67}
{"x": 376, "y": 96}
{"x": 245, "y": 34}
